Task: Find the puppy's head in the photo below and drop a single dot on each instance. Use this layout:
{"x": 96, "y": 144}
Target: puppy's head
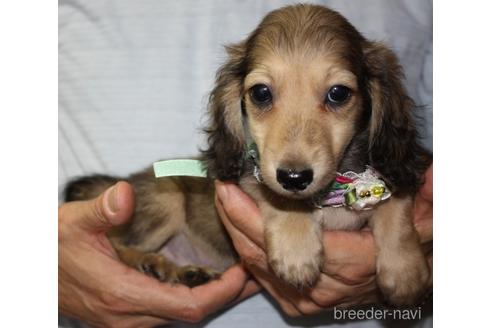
{"x": 306, "y": 82}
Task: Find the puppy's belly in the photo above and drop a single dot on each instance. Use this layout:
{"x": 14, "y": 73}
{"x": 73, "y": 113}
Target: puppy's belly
{"x": 186, "y": 248}
{"x": 341, "y": 218}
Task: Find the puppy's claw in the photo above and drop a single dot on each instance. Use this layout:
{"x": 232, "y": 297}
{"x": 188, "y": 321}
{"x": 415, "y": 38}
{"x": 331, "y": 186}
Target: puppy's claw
{"x": 157, "y": 266}
{"x": 192, "y": 276}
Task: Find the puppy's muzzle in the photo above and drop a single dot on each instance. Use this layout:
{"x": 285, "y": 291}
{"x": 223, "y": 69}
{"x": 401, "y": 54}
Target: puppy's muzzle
{"x": 293, "y": 180}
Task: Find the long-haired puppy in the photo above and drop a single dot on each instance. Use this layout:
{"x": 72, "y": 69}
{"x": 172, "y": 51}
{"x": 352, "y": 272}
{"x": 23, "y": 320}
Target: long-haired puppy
{"x": 316, "y": 98}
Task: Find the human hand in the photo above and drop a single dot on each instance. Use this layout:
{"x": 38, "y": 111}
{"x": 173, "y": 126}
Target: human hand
{"x": 348, "y": 275}
{"x": 423, "y": 208}
{"x": 94, "y": 286}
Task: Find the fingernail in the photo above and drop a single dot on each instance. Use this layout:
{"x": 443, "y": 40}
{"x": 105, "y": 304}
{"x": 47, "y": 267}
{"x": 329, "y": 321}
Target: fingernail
{"x": 111, "y": 199}
{"x": 222, "y": 190}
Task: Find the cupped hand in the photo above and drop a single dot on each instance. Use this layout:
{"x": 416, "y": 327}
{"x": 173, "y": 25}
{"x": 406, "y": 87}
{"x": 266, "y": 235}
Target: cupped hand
{"x": 94, "y": 286}
{"x": 348, "y": 275}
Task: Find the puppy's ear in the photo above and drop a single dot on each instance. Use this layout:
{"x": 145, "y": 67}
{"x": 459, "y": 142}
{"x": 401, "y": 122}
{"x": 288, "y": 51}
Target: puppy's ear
{"x": 394, "y": 147}
{"x": 225, "y": 151}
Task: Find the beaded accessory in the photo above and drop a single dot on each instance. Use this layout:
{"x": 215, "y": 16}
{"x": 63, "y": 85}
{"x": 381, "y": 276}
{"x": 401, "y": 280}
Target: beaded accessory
{"x": 358, "y": 191}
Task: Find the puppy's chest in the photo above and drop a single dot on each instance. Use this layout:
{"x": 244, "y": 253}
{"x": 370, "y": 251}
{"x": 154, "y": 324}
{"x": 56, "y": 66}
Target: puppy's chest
{"x": 341, "y": 218}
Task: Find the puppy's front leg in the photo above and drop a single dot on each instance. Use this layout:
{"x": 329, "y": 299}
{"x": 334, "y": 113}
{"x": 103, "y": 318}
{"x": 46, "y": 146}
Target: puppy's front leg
{"x": 293, "y": 242}
{"x": 402, "y": 270}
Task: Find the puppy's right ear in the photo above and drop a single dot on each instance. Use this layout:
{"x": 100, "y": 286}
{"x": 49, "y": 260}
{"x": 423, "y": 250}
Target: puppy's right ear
{"x": 224, "y": 154}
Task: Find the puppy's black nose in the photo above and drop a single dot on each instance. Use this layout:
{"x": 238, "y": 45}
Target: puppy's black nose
{"x": 294, "y": 180}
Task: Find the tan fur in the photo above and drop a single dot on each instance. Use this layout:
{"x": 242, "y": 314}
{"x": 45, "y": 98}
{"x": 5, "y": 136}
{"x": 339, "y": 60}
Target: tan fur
{"x": 166, "y": 207}
{"x": 299, "y": 52}
{"x": 402, "y": 270}
{"x": 298, "y": 130}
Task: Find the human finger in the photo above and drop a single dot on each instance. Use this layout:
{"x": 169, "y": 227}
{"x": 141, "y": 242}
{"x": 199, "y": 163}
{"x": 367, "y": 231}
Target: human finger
{"x": 349, "y": 256}
{"x": 113, "y": 207}
{"x": 241, "y": 210}
{"x": 265, "y": 280}
{"x": 330, "y": 291}
{"x": 426, "y": 191}
{"x": 252, "y": 287}
{"x": 250, "y": 253}
{"x": 424, "y": 229}
{"x": 210, "y": 297}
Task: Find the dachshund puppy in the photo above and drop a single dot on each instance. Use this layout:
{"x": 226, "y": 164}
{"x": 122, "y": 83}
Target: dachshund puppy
{"x": 307, "y": 96}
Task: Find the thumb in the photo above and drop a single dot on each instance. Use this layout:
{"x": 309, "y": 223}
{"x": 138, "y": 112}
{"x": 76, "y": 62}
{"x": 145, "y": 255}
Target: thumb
{"x": 113, "y": 207}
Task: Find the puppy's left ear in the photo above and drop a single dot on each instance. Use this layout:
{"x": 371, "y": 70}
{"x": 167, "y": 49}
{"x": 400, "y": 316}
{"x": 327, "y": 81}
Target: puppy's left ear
{"x": 224, "y": 155}
{"x": 394, "y": 140}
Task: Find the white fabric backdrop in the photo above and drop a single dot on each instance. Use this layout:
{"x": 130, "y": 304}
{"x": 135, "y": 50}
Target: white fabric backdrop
{"x": 134, "y": 77}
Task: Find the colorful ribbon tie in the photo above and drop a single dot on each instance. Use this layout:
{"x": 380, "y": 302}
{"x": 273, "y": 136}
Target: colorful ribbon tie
{"x": 358, "y": 191}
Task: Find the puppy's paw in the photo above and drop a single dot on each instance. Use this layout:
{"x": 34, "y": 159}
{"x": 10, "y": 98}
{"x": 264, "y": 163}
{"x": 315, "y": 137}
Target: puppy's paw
{"x": 192, "y": 275}
{"x": 403, "y": 280}
{"x": 296, "y": 263}
{"x": 157, "y": 266}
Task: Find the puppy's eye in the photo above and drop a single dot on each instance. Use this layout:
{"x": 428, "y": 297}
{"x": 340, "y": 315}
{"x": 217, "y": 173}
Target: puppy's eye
{"x": 337, "y": 95}
{"x": 260, "y": 94}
